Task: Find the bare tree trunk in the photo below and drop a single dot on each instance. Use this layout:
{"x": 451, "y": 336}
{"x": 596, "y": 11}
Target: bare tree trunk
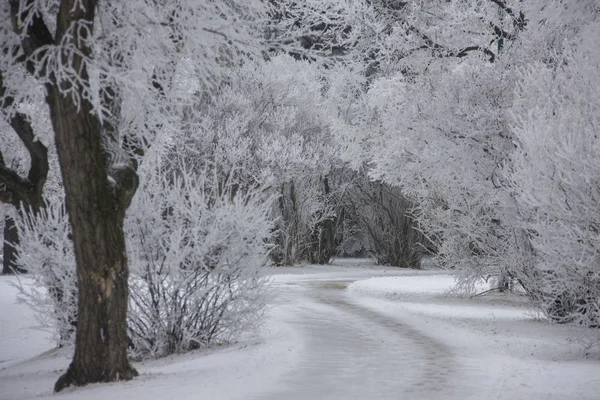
{"x": 322, "y": 246}
{"x": 11, "y": 238}
{"x": 96, "y": 202}
{"x": 96, "y": 212}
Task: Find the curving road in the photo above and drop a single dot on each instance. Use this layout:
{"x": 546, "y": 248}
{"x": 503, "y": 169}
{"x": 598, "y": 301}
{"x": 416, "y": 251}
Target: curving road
{"x": 322, "y": 342}
{"x": 351, "y": 352}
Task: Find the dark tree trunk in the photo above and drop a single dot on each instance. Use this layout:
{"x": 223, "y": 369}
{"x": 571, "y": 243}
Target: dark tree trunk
{"x": 11, "y": 238}
{"x": 96, "y": 204}
{"x": 322, "y": 246}
{"x": 96, "y": 207}
{"x": 14, "y": 189}
{"x": 96, "y": 214}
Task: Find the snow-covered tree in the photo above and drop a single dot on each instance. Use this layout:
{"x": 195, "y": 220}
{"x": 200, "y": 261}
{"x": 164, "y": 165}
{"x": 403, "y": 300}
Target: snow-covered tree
{"x": 555, "y": 168}
{"x": 442, "y": 139}
{"x": 108, "y": 71}
{"x": 488, "y": 160}
{"x": 430, "y": 116}
{"x": 268, "y": 126}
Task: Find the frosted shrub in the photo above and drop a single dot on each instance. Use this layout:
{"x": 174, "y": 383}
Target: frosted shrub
{"x": 555, "y": 181}
{"x": 197, "y": 253}
{"x": 46, "y": 252}
{"x": 198, "y": 250}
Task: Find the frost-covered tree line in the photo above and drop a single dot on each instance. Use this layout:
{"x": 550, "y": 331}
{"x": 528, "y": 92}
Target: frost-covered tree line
{"x": 215, "y": 139}
{"x": 484, "y": 115}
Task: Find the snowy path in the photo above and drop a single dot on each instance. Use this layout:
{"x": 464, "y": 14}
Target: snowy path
{"x": 354, "y": 353}
{"x": 405, "y": 337}
{"x": 396, "y": 336}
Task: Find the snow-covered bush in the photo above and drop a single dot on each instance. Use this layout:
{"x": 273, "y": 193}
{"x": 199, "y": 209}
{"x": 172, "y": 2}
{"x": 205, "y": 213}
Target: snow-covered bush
{"x": 197, "y": 249}
{"x": 268, "y": 125}
{"x": 197, "y": 252}
{"x": 50, "y": 287}
{"x": 555, "y": 175}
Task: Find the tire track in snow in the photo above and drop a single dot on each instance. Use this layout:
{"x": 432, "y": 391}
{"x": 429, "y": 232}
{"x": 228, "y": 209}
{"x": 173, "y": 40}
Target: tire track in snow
{"x": 353, "y": 352}
{"x": 437, "y": 366}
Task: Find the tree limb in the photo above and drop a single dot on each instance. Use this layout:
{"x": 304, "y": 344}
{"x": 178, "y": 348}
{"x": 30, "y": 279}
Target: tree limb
{"x": 500, "y": 33}
{"x": 5, "y": 193}
{"x": 445, "y": 52}
{"x": 467, "y": 50}
{"x": 38, "y": 172}
{"x": 28, "y": 190}
{"x": 428, "y": 41}
{"x": 34, "y": 35}
{"x": 13, "y": 182}
{"x": 518, "y": 20}
{"x": 126, "y": 184}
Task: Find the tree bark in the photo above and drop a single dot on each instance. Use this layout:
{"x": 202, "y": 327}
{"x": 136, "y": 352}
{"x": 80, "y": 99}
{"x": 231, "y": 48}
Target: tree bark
{"x": 96, "y": 216}
{"x": 9, "y": 256}
{"x": 96, "y": 204}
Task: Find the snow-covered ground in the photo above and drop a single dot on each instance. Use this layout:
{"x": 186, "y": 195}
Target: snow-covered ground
{"x": 351, "y": 330}
{"x": 503, "y": 348}
{"x": 29, "y": 366}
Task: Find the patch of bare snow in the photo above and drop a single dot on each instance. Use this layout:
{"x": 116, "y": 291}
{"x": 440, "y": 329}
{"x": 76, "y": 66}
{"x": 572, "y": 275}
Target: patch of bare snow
{"x": 395, "y": 334}
{"x": 237, "y": 371}
{"x": 19, "y": 338}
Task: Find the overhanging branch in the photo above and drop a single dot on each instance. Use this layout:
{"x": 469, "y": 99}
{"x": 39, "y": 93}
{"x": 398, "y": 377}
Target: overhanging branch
{"x": 443, "y": 51}
{"x": 464, "y": 52}
{"x": 13, "y": 182}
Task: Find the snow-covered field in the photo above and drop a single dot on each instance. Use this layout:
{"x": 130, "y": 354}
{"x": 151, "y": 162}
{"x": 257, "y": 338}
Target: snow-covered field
{"x": 388, "y": 334}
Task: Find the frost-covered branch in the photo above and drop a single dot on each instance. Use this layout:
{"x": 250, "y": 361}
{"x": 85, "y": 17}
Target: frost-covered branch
{"x": 518, "y": 19}
{"x": 28, "y": 23}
